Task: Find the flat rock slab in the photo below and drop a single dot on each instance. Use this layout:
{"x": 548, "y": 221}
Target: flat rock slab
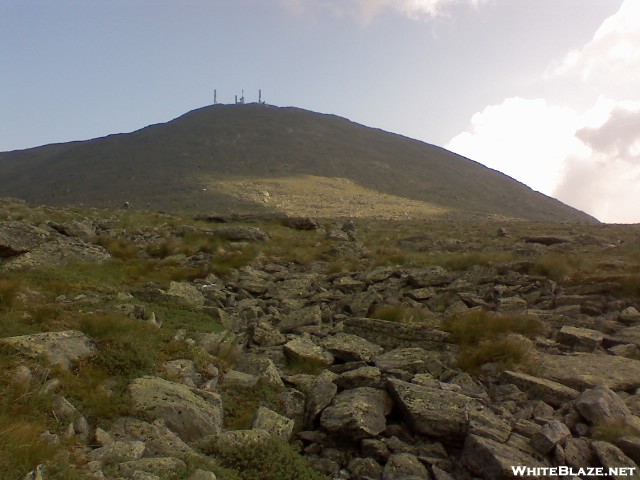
{"x": 397, "y": 335}
{"x": 588, "y": 370}
{"x": 413, "y": 360}
{"x": 553, "y": 393}
{"x": 303, "y": 350}
{"x": 59, "y": 348}
{"x": 351, "y": 348}
{"x": 582, "y": 339}
{"x": 445, "y": 415}
{"x": 188, "y": 412}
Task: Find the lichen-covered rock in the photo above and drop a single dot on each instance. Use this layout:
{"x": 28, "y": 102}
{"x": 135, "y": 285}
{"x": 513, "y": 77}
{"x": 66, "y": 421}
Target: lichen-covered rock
{"x": 405, "y": 466}
{"x": 553, "y": 393}
{"x": 303, "y": 350}
{"x": 188, "y": 412}
{"x": 275, "y": 424}
{"x": 589, "y": 370}
{"x": 580, "y": 339}
{"x": 158, "y": 439}
{"x": 412, "y": 360}
{"x": 120, "y": 451}
{"x": 601, "y": 405}
{"x": 550, "y": 435}
{"x": 351, "y": 348}
{"x": 360, "y": 377}
{"x": 158, "y": 465}
{"x": 611, "y": 456}
{"x": 59, "y": 348}
{"x": 357, "y": 413}
{"x": 320, "y": 396}
{"x": 491, "y": 460}
{"x": 445, "y": 415}
{"x": 398, "y": 335}
{"x": 186, "y": 293}
{"x": 308, "y": 316}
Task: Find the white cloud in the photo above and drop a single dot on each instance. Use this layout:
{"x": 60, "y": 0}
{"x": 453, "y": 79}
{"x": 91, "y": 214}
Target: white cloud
{"x": 366, "y": 10}
{"x": 588, "y": 159}
{"x": 525, "y": 139}
{"x": 606, "y": 180}
{"x": 610, "y": 62}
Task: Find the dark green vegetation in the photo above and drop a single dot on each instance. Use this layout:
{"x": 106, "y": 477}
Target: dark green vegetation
{"x": 169, "y": 166}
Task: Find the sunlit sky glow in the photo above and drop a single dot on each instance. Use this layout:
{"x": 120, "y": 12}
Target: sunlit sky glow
{"x": 546, "y": 91}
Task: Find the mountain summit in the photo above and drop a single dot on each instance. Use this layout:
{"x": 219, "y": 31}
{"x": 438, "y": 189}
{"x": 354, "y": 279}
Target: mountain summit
{"x": 224, "y": 158}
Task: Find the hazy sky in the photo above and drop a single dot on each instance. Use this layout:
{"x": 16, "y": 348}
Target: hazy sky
{"x": 546, "y": 91}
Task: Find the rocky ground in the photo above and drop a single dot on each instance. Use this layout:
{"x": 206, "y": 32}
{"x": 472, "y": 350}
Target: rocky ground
{"x": 445, "y": 350}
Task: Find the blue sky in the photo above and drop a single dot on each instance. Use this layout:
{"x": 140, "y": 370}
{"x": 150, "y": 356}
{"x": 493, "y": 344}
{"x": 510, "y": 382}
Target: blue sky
{"x": 523, "y": 86}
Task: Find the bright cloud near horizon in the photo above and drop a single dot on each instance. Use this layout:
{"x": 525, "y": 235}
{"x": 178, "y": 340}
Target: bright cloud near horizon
{"x": 545, "y": 91}
{"x": 590, "y": 157}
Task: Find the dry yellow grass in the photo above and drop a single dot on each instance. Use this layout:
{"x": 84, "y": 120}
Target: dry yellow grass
{"x": 308, "y": 195}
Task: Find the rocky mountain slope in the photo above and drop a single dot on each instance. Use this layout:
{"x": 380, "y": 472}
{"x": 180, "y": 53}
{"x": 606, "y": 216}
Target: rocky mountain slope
{"x": 150, "y": 346}
{"x": 224, "y": 158}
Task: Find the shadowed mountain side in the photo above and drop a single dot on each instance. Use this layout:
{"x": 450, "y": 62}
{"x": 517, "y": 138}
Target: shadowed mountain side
{"x": 175, "y": 166}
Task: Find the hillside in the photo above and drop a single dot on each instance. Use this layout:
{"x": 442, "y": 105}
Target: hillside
{"x": 148, "y": 346}
{"x": 225, "y": 158}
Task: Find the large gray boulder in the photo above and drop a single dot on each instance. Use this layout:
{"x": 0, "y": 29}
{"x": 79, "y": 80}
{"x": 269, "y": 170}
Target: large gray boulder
{"x": 357, "y": 413}
{"x": 445, "y": 415}
{"x": 189, "y": 412}
{"x": 59, "y": 348}
{"x": 491, "y": 460}
{"x": 601, "y": 405}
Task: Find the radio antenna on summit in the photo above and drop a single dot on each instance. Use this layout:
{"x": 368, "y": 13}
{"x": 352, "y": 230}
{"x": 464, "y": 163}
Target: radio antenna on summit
{"x": 215, "y": 97}
{"x": 260, "y": 97}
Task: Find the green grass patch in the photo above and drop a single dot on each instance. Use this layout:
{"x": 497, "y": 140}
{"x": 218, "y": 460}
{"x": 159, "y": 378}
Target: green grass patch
{"x": 9, "y": 289}
{"x": 241, "y": 403}
{"x": 614, "y": 429}
{"x": 268, "y": 460}
{"x": 486, "y": 337}
{"x": 507, "y": 353}
{"x": 478, "y": 325}
{"x": 556, "y": 266}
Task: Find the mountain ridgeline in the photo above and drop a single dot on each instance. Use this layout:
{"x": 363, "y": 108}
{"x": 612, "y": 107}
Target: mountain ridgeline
{"x": 210, "y": 160}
